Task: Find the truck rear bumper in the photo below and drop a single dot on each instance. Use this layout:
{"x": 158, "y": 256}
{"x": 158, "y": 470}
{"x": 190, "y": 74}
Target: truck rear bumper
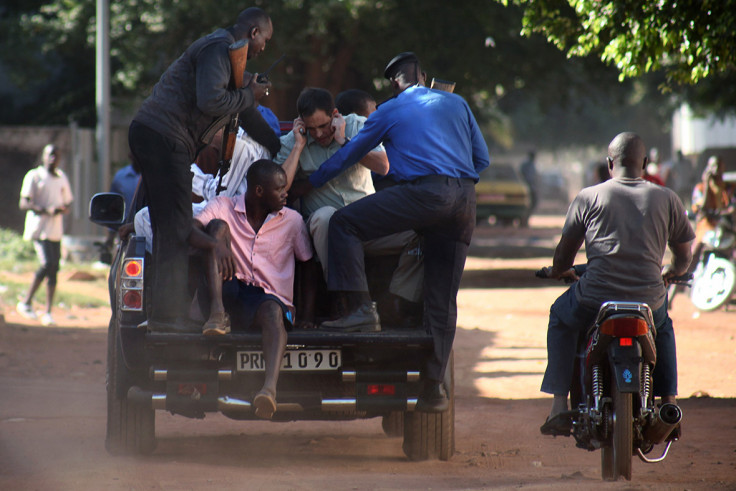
{"x": 191, "y": 374}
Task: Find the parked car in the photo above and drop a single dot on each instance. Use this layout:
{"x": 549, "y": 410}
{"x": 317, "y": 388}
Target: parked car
{"x": 502, "y": 194}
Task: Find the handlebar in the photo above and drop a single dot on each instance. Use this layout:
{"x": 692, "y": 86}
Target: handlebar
{"x": 683, "y": 279}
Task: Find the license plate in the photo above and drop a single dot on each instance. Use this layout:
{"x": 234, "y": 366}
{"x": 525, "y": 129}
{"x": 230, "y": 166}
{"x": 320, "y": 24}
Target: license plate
{"x": 294, "y": 360}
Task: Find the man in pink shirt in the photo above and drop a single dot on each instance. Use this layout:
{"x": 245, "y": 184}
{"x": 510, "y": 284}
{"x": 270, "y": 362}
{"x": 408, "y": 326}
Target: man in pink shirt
{"x": 257, "y": 240}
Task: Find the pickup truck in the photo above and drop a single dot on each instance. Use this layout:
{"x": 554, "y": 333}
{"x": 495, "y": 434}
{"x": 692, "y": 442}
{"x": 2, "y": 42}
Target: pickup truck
{"x": 324, "y": 376}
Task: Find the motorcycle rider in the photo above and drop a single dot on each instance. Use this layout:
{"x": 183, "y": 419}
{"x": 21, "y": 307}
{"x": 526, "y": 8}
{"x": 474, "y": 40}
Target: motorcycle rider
{"x": 711, "y": 198}
{"x": 626, "y": 224}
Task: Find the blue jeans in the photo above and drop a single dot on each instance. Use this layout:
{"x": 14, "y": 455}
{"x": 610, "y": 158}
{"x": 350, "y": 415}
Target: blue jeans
{"x": 567, "y": 318}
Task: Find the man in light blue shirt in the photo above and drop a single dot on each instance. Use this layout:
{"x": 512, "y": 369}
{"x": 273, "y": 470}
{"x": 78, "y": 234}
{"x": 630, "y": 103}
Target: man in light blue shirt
{"x": 325, "y": 132}
{"x": 436, "y": 152}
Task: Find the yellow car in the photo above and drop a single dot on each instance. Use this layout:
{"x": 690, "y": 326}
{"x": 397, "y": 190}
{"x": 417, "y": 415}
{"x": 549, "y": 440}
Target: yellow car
{"x": 502, "y": 194}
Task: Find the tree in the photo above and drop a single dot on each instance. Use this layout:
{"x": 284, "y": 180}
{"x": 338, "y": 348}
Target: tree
{"x": 50, "y": 66}
{"x": 690, "y": 40}
{"x": 513, "y": 83}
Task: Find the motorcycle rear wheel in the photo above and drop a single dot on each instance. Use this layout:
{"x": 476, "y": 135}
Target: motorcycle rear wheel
{"x": 714, "y": 284}
{"x": 616, "y": 458}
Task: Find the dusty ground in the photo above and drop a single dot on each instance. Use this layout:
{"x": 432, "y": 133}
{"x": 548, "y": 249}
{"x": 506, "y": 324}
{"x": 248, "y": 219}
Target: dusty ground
{"x": 52, "y": 406}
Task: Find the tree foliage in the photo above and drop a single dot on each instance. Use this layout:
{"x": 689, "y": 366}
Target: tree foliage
{"x": 514, "y": 83}
{"x": 691, "y": 40}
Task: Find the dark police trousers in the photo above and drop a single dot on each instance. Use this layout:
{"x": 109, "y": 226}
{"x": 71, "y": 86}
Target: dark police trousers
{"x": 440, "y": 208}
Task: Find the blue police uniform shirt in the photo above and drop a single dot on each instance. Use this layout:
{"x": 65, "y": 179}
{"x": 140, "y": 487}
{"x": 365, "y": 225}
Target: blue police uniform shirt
{"x": 404, "y": 124}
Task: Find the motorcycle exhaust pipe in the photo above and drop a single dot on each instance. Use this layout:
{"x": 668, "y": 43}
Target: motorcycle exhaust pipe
{"x": 666, "y": 418}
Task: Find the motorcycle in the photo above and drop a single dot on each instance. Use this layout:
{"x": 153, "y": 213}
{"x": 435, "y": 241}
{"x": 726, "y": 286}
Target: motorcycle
{"x": 611, "y": 394}
{"x": 714, "y": 277}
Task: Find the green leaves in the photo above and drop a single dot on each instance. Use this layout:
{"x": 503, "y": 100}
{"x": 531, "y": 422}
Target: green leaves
{"x": 689, "y": 39}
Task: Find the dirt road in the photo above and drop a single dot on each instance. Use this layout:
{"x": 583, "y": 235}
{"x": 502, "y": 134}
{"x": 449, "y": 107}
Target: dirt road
{"x": 52, "y": 406}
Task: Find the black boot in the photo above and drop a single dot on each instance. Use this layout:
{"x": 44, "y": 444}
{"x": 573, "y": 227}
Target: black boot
{"x": 433, "y": 398}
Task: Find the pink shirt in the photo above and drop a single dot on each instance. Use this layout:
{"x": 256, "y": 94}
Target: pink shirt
{"x": 266, "y": 258}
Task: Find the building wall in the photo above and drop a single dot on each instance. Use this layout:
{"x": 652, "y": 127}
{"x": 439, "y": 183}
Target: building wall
{"x": 692, "y": 135}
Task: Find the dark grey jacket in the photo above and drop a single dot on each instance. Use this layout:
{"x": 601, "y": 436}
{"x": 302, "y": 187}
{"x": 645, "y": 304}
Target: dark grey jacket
{"x": 192, "y": 95}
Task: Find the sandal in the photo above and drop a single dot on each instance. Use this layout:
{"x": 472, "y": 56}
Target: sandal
{"x": 264, "y": 404}
{"x": 214, "y": 328}
{"x": 559, "y": 425}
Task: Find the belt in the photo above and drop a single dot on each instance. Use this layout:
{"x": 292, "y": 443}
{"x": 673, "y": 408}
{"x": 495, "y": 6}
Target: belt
{"x": 441, "y": 179}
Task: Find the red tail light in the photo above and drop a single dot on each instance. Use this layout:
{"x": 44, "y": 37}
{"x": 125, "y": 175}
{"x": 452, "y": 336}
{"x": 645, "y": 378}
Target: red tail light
{"x": 133, "y": 268}
{"x": 132, "y": 300}
{"x": 381, "y": 390}
{"x": 628, "y": 327}
{"x": 625, "y": 342}
{"x": 194, "y": 391}
{"x": 131, "y": 284}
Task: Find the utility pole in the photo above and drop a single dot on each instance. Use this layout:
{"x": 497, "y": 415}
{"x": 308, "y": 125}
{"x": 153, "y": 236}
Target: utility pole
{"x": 102, "y": 98}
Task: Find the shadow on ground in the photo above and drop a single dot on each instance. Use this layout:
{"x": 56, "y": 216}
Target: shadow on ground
{"x": 502, "y": 278}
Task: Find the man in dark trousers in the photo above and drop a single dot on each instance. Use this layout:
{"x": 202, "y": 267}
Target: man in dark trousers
{"x": 436, "y": 151}
{"x": 192, "y": 98}
{"x": 626, "y": 225}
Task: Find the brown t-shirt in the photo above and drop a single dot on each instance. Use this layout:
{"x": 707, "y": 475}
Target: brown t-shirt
{"x": 626, "y": 224}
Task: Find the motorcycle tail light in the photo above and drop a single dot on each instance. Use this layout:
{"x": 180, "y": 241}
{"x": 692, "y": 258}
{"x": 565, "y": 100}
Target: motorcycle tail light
{"x": 626, "y": 327}
{"x": 625, "y": 342}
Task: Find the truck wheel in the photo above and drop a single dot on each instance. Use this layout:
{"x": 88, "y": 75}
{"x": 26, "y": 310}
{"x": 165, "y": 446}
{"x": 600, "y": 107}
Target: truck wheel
{"x": 131, "y": 428}
{"x": 393, "y": 424}
{"x": 432, "y": 435}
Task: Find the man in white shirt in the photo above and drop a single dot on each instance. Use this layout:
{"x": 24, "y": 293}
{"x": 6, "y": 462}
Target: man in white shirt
{"x": 45, "y": 196}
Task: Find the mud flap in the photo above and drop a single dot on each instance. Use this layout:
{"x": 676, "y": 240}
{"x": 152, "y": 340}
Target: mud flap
{"x": 626, "y": 365}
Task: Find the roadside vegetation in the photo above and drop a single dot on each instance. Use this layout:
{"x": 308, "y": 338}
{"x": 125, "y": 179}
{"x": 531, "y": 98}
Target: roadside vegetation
{"x": 18, "y": 262}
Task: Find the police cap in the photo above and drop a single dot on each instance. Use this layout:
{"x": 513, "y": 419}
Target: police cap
{"x": 397, "y": 60}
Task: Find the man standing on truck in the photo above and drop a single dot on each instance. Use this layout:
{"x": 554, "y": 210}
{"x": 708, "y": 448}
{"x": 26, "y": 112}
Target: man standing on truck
{"x": 436, "y": 151}
{"x": 192, "y": 96}
{"x": 254, "y": 253}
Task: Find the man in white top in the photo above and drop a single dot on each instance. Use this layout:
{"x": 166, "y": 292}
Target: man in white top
{"x": 45, "y": 196}
{"x": 247, "y": 150}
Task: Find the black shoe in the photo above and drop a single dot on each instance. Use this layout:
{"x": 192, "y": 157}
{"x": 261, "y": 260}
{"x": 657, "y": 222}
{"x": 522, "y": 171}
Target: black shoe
{"x": 363, "y": 319}
{"x": 433, "y": 398}
{"x": 559, "y": 425}
{"x": 396, "y": 311}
